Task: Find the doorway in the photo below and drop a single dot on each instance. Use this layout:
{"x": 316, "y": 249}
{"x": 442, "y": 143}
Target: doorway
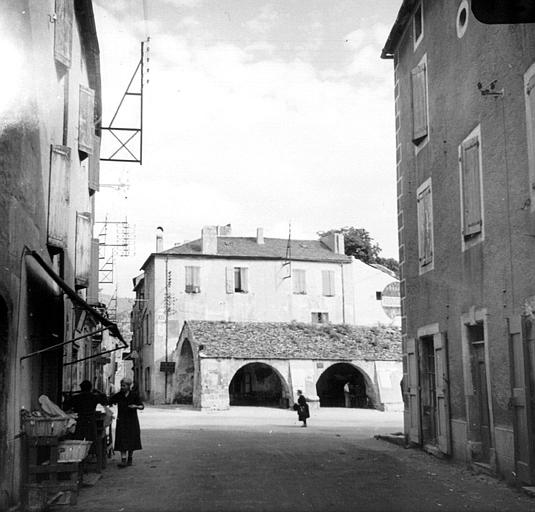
{"x": 258, "y": 384}
{"x": 342, "y": 385}
{"x": 428, "y": 391}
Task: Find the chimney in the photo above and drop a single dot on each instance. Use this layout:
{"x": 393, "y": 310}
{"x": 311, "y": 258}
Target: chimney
{"x": 335, "y": 242}
{"x": 159, "y": 239}
{"x": 260, "y": 236}
{"x": 209, "y": 239}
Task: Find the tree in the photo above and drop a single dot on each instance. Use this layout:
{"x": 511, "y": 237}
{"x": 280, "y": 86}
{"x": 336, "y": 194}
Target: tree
{"x": 359, "y": 243}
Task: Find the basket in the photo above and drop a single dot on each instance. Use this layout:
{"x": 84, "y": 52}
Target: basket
{"x": 73, "y": 450}
{"x": 35, "y": 426}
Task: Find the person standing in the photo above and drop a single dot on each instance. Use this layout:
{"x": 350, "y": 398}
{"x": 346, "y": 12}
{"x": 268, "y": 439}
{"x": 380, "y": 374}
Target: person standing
{"x": 127, "y": 432}
{"x": 302, "y": 408}
{"x": 84, "y": 404}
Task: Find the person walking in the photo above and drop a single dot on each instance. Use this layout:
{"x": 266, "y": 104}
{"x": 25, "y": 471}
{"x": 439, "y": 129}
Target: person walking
{"x": 127, "y": 432}
{"x": 302, "y": 408}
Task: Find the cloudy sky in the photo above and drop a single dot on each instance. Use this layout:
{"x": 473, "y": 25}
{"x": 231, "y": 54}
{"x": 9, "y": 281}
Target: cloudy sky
{"x": 257, "y": 113}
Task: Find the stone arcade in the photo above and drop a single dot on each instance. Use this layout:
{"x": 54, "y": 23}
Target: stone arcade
{"x": 219, "y": 364}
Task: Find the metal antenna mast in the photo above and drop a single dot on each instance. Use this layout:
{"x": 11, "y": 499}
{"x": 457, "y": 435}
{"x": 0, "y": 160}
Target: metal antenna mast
{"x": 127, "y": 141}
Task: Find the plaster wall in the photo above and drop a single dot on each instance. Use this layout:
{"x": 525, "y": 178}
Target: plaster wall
{"x": 31, "y": 122}
{"x": 491, "y": 273}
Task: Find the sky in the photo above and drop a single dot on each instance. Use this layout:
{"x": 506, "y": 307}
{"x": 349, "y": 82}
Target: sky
{"x": 257, "y": 113}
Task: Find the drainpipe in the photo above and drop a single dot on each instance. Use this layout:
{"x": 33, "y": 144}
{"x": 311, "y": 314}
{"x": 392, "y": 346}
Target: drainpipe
{"x": 343, "y": 295}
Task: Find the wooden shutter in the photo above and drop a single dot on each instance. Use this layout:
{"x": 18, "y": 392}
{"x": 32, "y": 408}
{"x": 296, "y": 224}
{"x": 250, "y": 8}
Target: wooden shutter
{"x": 86, "y": 120}
{"x": 425, "y": 226}
{"x": 229, "y": 277}
{"x": 471, "y": 187}
{"x": 521, "y": 398}
{"x": 92, "y": 289}
{"x": 83, "y": 249}
{"x": 419, "y": 103}
{"x": 58, "y": 196}
{"x": 197, "y": 278}
{"x": 328, "y": 282}
{"x": 63, "y": 32}
{"x": 413, "y": 392}
{"x": 530, "y": 110}
{"x": 441, "y": 390}
{"x": 244, "y": 279}
{"x": 299, "y": 281}
{"x": 94, "y": 166}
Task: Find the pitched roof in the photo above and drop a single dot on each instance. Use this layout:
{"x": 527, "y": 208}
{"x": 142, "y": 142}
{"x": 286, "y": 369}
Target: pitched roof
{"x": 255, "y": 340}
{"x": 398, "y": 28}
{"x": 272, "y": 248}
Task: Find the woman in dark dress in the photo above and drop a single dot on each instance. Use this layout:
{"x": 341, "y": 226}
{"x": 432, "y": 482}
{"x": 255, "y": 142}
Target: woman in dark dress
{"x": 127, "y": 435}
{"x": 302, "y": 408}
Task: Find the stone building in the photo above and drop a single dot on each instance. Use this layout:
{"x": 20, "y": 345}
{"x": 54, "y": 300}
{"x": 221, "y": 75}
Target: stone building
{"x": 264, "y": 363}
{"x": 249, "y": 279}
{"x": 465, "y": 125}
{"x": 49, "y": 156}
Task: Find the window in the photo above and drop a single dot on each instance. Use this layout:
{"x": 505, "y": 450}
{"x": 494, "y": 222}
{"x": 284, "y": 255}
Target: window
{"x": 86, "y": 121}
{"x": 193, "y": 279}
{"x": 328, "y": 282}
{"x": 462, "y": 18}
{"x": 320, "y": 318}
{"x": 418, "y": 25}
{"x": 84, "y": 229}
{"x": 63, "y": 32}
{"x": 58, "y": 197}
{"x": 471, "y": 201}
{"x": 425, "y": 225}
{"x": 419, "y": 102}
{"x": 237, "y": 280}
{"x": 378, "y": 295}
{"x": 529, "y": 83}
{"x": 299, "y": 282}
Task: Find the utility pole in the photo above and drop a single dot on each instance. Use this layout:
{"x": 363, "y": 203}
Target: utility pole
{"x": 166, "y": 325}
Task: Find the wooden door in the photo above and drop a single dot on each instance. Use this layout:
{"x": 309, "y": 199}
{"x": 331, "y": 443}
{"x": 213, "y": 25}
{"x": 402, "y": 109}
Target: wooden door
{"x": 413, "y": 392}
{"x": 482, "y": 398}
{"x": 441, "y": 391}
{"x": 520, "y": 398}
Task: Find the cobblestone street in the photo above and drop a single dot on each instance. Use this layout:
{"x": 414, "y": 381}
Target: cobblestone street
{"x": 261, "y": 459}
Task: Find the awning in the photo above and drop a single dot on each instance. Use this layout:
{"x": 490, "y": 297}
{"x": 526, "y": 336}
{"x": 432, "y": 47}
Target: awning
{"x": 81, "y": 303}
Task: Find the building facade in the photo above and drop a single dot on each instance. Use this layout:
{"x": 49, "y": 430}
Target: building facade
{"x": 249, "y": 279}
{"x": 465, "y": 119}
{"x": 50, "y": 320}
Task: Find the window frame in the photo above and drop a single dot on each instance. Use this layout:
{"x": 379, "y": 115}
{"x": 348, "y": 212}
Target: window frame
{"x": 299, "y": 283}
{"x": 421, "y": 141}
{"x": 319, "y": 317}
{"x": 331, "y": 292}
{"x": 425, "y": 263}
{"x": 530, "y": 131}
{"x": 243, "y": 285}
{"x": 192, "y": 279}
{"x": 470, "y": 240}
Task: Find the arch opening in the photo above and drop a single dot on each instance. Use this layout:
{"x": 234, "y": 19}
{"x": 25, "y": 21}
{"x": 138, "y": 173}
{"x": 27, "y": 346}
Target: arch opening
{"x": 185, "y": 374}
{"x": 343, "y": 385}
{"x": 258, "y": 384}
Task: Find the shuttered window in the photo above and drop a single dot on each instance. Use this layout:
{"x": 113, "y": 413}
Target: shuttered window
{"x": 83, "y": 249}
{"x": 530, "y": 113}
{"x": 328, "y": 283}
{"x": 425, "y": 225}
{"x": 471, "y": 188}
{"x": 419, "y": 103}
{"x": 237, "y": 279}
{"x": 193, "y": 279}
{"x": 299, "y": 281}
{"x": 58, "y": 196}
{"x": 63, "y": 32}
{"x": 86, "y": 120}
{"x": 94, "y": 166}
